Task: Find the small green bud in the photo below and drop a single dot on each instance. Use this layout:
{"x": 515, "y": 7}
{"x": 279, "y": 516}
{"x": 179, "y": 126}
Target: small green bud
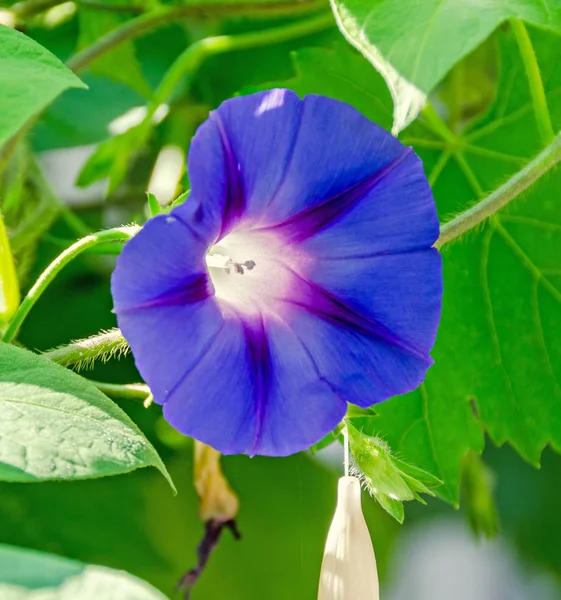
{"x": 390, "y": 480}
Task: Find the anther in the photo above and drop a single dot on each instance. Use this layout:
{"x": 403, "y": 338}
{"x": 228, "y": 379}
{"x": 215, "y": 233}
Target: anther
{"x": 238, "y": 267}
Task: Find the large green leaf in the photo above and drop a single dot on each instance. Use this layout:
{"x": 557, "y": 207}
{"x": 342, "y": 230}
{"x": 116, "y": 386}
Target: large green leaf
{"x": 495, "y": 355}
{"x": 30, "y": 575}
{"x": 30, "y": 79}
{"x": 414, "y": 44}
{"x": 54, "y": 424}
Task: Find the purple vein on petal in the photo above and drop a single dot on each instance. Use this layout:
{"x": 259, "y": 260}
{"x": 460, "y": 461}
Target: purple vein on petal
{"x": 309, "y": 222}
{"x": 259, "y": 358}
{"x": 320, "y": 303}
{"x": 234, "y": 204}
{"x": 199, "y": 288}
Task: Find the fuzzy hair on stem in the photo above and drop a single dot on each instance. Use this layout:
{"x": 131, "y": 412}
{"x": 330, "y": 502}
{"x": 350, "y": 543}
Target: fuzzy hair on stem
{"x": 83, "y": 354}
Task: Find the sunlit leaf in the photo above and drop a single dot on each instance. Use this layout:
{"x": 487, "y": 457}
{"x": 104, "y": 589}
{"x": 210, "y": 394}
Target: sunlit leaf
{"x": 54, "y": 424}
{"x": 30, "y": 575}
{"x": 30, "y": 79}
{"x": 414, "y": 44}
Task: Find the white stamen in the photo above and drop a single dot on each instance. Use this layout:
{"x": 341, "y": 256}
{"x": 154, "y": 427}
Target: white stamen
{"x": 217, "y": 261}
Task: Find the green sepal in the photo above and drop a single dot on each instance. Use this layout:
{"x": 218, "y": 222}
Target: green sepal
{"x": 390, "y": 480}
{"x": 154, "y": 207}
{"x": 179, "y": 200}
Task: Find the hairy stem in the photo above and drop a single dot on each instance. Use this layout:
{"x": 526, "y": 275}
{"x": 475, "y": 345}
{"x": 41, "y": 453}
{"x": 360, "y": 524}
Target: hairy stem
{"x": 472, "y": 217}
{"x": 539, "y": 100}
{"x": 82, "y": 354}
{"x": 156, "y": 18}
{"x": 111, "y": 235}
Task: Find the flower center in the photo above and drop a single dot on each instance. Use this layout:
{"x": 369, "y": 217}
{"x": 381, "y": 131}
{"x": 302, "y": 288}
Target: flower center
{"x": 246, "y": 271}
{"x": 221, "y": 261}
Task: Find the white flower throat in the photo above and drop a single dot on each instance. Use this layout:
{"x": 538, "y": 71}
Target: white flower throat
{"x": 249, "y": 270}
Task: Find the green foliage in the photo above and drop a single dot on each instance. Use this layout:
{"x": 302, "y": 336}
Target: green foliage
{"x": 412, "y": 59}
{"x": 56, "y": 425}
{"x": 154, "y": 207}
{"x": 497, "y": 362}
{"x": 390, "y": 480}
{"x": 112, "y": 158}
{"x": 30, "y": 575}
{"x": 26, "y": 68}
{"x": 9, "y": 285}
{"x": 137, "y": 525}
{"x": 496, "y": 365}
{"x": 477, "y": 496}
{"x": 495, "y": 353}
{"x": 95, "y": 23}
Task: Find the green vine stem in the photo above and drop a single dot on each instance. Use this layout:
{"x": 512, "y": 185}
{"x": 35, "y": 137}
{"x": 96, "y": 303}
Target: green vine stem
{"x": 475, "y": 215}
{"x": 156, "y": 18}
{"x": 118, "y": 234}
{"x": 130, "y": 391}
{"x": 190, "y": 60}
{"x": 29, "y": 8}
{"x": 82, "y": 354}
{"x": 539, "y": 100}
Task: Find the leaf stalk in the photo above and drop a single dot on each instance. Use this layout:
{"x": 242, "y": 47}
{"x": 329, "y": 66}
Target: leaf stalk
{"x": 517, "y": 184}
{"x": 539, "y": 99}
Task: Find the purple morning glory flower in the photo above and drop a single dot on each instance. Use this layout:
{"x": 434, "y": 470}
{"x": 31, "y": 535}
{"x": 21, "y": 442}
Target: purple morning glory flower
{"x": 298, "y": 276}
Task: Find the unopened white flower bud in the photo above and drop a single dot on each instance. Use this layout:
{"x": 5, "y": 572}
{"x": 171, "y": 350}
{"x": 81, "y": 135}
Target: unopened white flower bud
{"x": 348, "y": 571}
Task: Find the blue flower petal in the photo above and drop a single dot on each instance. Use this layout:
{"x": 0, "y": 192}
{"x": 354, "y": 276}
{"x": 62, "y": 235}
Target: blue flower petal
{"x": 255, "y": 391}
{"x": 337, "y": 148}
{"x": 165, "y": 307}
{"x": 258, "y": 158}
{"x": 402, "y": 291}
{"x": 333, "y": 221}
{"x": 238, "y": 159}
{"x": 390, "y": 211}
{"x": 164, "y": 259}
{"x": 241, "y": 384}
{"x": 361, "y": 357}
